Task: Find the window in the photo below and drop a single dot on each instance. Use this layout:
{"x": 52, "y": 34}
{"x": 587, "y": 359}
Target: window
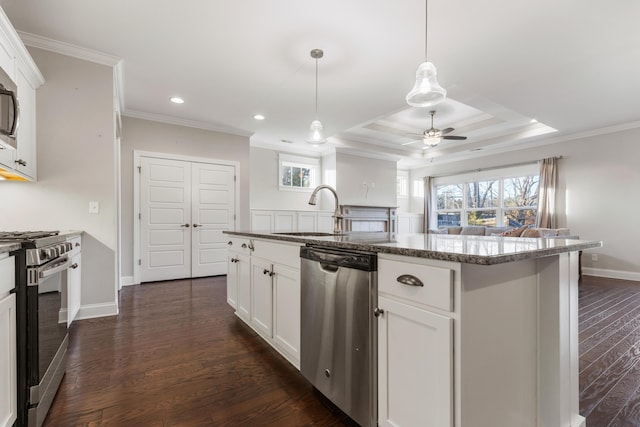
{"x": 418, "y": 188}
{"x": 402, "y": 184}
{"x": 298, "y": 173}
{"x": 499, "y": 201}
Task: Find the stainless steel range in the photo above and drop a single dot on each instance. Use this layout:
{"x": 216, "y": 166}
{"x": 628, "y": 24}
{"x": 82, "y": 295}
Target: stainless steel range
{"x": 41, "y": 322}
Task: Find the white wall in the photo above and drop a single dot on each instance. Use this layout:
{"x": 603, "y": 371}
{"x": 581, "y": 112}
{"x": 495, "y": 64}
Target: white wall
{"x": 76, "y": 164}
{"x": 145, "y": 135}
{"x": 352, "y": 172}
{"x": 598, "y": 181}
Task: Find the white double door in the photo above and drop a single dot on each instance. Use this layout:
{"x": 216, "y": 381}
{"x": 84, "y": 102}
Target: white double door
{"x": 184, "y": 207}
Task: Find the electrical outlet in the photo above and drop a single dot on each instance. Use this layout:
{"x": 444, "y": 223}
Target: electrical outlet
{"x": 94, "y": 207}
{"x": 594, "y": 257}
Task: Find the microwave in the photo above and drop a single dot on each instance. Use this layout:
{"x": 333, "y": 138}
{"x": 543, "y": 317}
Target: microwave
{"x": 9, "y": 111}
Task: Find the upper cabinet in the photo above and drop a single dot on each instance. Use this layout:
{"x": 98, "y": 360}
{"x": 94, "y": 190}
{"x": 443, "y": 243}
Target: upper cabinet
{"x": 20, "y": 163}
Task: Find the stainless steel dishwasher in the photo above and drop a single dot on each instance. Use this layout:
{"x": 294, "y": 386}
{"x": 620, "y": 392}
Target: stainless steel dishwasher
{"x": 338, "y": 328}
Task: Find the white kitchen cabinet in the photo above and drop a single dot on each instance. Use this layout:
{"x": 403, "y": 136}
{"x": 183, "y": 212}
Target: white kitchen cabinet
{"x": 270, "y": 286}
{"x": 414, "y": 366}
{"x": 8, "y": 368}
{"x": 415, "y": 345}
{"x": 25, "y": 161}
{"x": 74, "y": 279}
{"x": 239, "y": 277}
{"x": 18, "y": 64}
{"x": 262, "y": 297}
{"x": 286, "y": 309}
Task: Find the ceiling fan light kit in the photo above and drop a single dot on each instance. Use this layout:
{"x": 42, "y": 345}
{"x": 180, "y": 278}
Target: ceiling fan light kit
{"x": 426, "y": 91}
{"x": 316, "y": 135}
{"x": 432, "y": 137}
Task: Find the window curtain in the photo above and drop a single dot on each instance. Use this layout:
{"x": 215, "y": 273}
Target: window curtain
{"x": 427, "y": 204}
{"x": 546, "y": 217}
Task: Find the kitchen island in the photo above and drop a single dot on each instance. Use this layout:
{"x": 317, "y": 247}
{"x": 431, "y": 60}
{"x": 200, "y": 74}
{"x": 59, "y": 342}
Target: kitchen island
{"x": 490, "y": 339}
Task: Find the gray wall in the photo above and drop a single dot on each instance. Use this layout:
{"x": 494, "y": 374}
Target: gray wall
{"x": 265, "y": 191}
{"x": 145, "y": 135}
{"x": 348, "y": 171}
{"x": 353, "y": 171}
{"x": 76, "y": 164}
{"x": 598, "y": 198}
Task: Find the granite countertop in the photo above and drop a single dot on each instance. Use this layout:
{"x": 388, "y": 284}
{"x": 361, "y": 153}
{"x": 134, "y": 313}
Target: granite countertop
{"x": 71, "y": 233}
{"x": 483, "y": 250}
{"x": 8, "y": 247}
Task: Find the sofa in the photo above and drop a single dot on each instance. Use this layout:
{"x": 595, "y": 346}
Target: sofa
{"x": 524, "y": 231}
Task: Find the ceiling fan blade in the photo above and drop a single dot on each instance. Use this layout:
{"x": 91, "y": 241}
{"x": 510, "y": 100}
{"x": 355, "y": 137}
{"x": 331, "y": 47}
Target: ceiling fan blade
{"x": 412, "y": 142}
{"x": 446, "y": 131}
{"x": 457, "y": 138}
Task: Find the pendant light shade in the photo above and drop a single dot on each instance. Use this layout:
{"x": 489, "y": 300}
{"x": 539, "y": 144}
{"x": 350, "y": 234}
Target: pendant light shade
{"x": 316, "y": 136}
{"x": 426, "y": 91}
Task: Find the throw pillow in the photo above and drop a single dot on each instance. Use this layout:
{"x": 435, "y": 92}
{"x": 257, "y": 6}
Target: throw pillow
{"x": 516, "y": 232}
{"x": 439, "y": 231}
{"x": 473, "y": 230}
{"x": 539, "y": 232}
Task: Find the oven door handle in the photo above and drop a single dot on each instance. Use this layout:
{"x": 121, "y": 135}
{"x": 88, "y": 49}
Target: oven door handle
{"x": 54, "y": 267}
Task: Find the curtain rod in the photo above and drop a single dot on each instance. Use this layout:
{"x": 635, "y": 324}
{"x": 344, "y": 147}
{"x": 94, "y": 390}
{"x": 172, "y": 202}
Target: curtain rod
{"x": 491, "y": 168}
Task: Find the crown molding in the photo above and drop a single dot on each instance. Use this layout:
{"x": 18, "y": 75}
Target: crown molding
{"x": 68, "y": 49}
{"x": 184, "y": 122}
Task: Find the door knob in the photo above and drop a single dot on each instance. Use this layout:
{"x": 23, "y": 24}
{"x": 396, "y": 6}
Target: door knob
{"x": 378, "y": 312}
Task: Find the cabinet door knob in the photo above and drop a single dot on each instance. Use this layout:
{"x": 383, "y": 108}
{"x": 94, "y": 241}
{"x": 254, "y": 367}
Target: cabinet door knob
{"x": 265, "y": 271}
{"x": 378, "y": 312}
{"x": 410, "y": 280}
{"x": 74, "y": 265}
{"x": 21, "y": 162}
{"x": 230, "y": 243}
{"x": 244, "y": 246}
{"x": 197, "y": 225}
{"x": 185, "y": 225}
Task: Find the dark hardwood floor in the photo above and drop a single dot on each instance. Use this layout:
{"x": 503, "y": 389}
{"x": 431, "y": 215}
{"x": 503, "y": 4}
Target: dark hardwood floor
{"x": 177, "y": 356}
{"x": 609, "y": 348}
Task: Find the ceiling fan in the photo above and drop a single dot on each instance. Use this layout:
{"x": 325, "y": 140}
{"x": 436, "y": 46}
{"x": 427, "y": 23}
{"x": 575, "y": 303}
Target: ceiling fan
{"x": 432, "y": 137}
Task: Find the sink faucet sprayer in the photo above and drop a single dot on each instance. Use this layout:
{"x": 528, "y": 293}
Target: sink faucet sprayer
{"x": 337, "y": 216}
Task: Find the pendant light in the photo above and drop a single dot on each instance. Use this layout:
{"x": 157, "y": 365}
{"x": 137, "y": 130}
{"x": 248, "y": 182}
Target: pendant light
{"x": 316, "y": 136}
{"x": 427, "y": 91}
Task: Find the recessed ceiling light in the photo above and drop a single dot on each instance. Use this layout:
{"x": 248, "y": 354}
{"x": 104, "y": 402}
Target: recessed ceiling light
{"x": 258, "y": 117}
{"x": 533, "y": 121}
{"x": 177, "y": 100}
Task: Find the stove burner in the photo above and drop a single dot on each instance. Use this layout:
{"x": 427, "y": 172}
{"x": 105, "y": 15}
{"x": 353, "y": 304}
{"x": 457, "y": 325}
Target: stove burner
{"x": 26, "y": 235}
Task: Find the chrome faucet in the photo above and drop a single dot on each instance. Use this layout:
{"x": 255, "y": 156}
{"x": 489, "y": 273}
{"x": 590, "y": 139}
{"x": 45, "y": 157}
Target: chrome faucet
{"x": 337, "y": 216}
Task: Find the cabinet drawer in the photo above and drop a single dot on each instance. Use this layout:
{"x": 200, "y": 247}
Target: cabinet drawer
{"x": 240, "y": 245}
{"x": 278, "y": 253}
{"x": 436, "y": 289}
{"x": 7, "y": 275}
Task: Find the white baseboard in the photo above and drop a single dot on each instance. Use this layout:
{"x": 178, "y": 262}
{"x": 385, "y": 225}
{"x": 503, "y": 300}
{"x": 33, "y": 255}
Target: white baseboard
{"x": 91, "y": 311}
{"x": 611, "y": 274}
{"x": 127, "y": 281}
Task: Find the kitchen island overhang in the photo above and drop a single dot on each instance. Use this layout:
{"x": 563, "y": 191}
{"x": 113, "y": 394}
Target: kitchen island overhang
{"x": 482, "y": 250}
{"x": 514, "y": 319}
